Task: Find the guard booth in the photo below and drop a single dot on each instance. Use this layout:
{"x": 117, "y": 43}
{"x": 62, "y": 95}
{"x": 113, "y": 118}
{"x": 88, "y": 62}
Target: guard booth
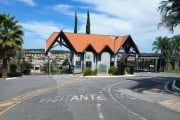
{"x": 129, "y": 55}
{"x": 97, "y": 52}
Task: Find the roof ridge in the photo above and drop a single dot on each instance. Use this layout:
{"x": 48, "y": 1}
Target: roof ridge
{"x": 98, "y": 34}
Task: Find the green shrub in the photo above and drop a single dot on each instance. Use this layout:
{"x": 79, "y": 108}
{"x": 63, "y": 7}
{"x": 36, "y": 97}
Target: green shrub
{"x": 27, "y": 72}
{"x": 14, "y": 74}
{"x": 127, "y": 70}
{"x": 27, "y": 68}
{"x": 113, "y": 70}
{"x": 28, "y": 65}
{"x": 178, "y": 83}
{"x": 88, "y": 71}
{"x": 95, "y": 72}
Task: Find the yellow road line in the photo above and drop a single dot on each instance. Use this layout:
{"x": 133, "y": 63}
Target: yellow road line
{"x": 9, "y": 104}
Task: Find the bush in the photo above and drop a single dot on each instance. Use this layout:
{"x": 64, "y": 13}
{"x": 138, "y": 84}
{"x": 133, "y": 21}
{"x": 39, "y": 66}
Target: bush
{"x": 14, "y": 74}
{"x": 113, "y": 70}
{"x": 178, "y": 83}
{"x": 27, "y": 72}
{"x": 127, "y": 70}
{"x": 95, "y": 72}
{"x": 28, "y": 65}
{"x": 27, "y": 68}
{"x": 89, "y": 71}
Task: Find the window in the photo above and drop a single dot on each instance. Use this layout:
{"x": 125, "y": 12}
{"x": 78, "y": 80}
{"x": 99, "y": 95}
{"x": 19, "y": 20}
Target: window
{"x": 78, "y": 64}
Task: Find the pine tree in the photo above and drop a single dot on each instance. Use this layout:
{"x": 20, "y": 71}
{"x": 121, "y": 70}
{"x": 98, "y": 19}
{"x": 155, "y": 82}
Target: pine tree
{"x": 75, "y": 23}
{"x": 88, "y": 31}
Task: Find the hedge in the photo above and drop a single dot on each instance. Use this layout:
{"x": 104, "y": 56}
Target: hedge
{"x": 113, "y": 70}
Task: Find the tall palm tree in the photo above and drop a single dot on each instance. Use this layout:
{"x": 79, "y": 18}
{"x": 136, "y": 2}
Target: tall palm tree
{"x": 163, "y": 46}
{"x": 176, "y": 48}
{"x": 170, "y": 11}
{"x": 10, "y": 39}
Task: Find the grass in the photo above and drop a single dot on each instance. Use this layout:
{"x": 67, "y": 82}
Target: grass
{"x": 172, "y": 71}
{"x": 178, "y": 83}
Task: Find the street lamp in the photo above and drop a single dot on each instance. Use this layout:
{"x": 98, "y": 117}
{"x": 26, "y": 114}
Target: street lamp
{"x": 48, "y": 63}
{"x": 22, "y": 63}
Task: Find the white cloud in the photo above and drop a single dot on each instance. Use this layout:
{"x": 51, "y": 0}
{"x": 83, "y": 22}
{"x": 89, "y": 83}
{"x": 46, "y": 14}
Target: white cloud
{"x": 28, "y": 2}
{"x": 40, "y": 29}
{"x": 116, "y": 17}
{"x": 138, "y": 18}
{"x": 36, "y": 33}
{"x": 100, "y": 25}
{"x": 64, "y": 9}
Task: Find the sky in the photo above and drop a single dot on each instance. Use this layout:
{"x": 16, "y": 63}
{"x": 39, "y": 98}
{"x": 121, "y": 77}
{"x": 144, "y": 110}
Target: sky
{"x": 40, "y": 18}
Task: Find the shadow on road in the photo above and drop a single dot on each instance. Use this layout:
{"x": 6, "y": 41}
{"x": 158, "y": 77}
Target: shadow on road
{"x": 154, "y": 84}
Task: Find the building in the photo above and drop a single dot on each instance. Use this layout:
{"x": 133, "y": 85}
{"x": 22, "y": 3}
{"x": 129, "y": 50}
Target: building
{"x": 92, "y": 50}
{"x": 38, "y": 59}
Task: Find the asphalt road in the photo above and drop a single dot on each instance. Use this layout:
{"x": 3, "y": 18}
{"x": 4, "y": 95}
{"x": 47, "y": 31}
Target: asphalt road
{"x": 67, "y": 97}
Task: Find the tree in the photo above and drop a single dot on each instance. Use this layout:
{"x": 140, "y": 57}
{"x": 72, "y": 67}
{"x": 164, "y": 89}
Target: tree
{"x": 27, "y": 66}
{"x": 176, "y": 48}
{"x": 163, "y": 46}
{"x": 170, "y": 11}
{"x": 10, "y": 39}
{"x": 65, "y": 62}
{"x": 75, "y": 23}
{"x": 88, "y": 31}
{"x": 53, "y": 67}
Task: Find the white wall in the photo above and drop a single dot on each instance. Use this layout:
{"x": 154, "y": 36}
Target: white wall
{"x": 90, "y": 57}
{"x": 106, "y": 58}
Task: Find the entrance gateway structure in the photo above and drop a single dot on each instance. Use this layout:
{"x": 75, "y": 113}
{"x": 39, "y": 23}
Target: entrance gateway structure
{"x": 94, "y": 51}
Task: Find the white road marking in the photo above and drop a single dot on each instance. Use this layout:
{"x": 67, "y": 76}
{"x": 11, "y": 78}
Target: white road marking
{"x": 123, "y": 106}
{"x": 72, "y": 98}
{"x": 119, "y": 94}
{"x": 100, "y": 114}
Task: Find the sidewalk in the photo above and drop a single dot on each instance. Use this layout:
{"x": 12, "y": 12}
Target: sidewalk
{"x": 171, "y": 104}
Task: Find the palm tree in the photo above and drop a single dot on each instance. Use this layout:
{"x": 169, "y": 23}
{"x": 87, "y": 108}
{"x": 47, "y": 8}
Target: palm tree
{"x": 10, "y": 39}
{"x": 163, "y": 46}
{"x": 170, "y": 11}
{"x": 176, "y": 48}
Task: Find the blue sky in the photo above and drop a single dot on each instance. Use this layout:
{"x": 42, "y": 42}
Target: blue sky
{"x": 40, "y": 18}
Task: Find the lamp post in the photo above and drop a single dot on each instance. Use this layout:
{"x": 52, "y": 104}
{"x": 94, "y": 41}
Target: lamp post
{"x": 22, "y": 63}
{"x": 136, "y": 62}
{"x": 49, "y": 63}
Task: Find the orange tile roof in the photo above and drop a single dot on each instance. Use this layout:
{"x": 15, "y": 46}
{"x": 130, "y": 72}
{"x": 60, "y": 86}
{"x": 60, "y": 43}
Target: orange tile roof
{"x": 119, "y": 42}
{"x": 80, "y": 42}
{"x": 51, "y": 40}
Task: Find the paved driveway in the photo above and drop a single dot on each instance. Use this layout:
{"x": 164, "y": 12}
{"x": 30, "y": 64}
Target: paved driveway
{"x": 67, "y": 97}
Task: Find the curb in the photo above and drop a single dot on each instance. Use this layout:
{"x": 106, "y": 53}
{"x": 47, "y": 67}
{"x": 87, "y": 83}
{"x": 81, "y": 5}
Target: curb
{"x": 169, "y": 88}
{"x": 106, "y": 76}
{"x": 11, "y": 78}
{"x": 174, "y": 88}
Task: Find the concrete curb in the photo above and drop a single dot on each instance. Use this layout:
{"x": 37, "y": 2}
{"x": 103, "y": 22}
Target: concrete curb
{"x": 106, "y": 76}
{"x": 14, "y": 78}
{"x": 174, "y": 88}
{"x": 168, "y": 88}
